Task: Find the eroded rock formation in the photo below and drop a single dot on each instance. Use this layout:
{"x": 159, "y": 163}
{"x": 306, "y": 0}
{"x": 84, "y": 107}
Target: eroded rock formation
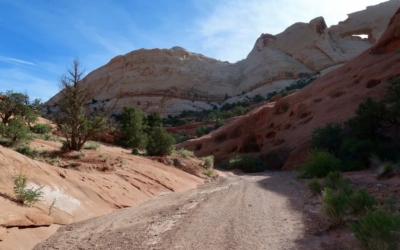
{"x": 173, "y": 80}
{"x": 280, "y": 132}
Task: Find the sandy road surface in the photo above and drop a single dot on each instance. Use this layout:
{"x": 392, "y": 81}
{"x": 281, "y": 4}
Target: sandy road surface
{"x": 262, "y": 211}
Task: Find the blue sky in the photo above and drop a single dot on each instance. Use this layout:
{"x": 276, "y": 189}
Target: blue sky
{"x": 39, "y": 39}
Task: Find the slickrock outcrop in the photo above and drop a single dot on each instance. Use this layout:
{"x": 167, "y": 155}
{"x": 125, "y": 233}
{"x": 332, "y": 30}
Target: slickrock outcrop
{"x": 173, "y": 80}
{"x": 280, "y": 132}
{"x": 78, "y": 195}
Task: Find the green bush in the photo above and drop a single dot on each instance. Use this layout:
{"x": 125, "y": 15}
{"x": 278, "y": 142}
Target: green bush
{"x": 23, "y": 194}
{"x": 361, "y": 201}
{"x": 185, "y": 153}
{"x": 335, "y": 181}
{"x": 26, "y": 151}
{"x": 319, "y": 164}
{"x": 92, "y": 145}
{"x": 328, "y": 138}
{"x": 200, "y": 131}
{"x": 132, "y": 126}
{"x": 247, "y": 163}
{"x": 41, "y": 128}
{"x": 314, "y": 186}
{"x": 160, "y": 142}
{"x": 208, "y": 172}
{"x": 378, "y": 230}
{"x": 355, "y": 153}
{"x": 335, "y": 205}
{"x": 16, "y": 130}
{"x": 219, "y": 123}
{"x": 368, "y": 119}
{"x": 208, "y": 161}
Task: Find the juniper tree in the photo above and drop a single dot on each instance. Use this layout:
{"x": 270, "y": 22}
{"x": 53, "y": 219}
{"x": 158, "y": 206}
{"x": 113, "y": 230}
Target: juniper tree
{"x": 73, "y": 118}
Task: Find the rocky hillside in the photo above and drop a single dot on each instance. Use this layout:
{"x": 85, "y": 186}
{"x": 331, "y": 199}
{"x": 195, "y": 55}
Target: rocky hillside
{"x": 173, "y": 80}
{"x": 280, "y": 132}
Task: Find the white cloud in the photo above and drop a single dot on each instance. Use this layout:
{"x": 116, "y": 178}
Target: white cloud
{"x": 230, "y": 30}
{"x": 15, "y": 61}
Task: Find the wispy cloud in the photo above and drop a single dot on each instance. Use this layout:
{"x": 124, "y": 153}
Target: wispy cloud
{"x": 15, "y": 61}
{"x": 21, "y": 81}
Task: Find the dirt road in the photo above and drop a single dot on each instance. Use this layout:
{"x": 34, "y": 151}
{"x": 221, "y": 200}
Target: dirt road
{"x": 261, "y": 211}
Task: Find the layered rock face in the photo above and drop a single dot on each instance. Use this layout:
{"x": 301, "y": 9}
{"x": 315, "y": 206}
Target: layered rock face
{"x": 173, "y": 80}
{"x": 280, "y": 132}
{"x": 77, "y": 195}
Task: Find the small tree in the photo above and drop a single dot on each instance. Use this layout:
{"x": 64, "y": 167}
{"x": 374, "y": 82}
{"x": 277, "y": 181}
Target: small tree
{"x": 15, "y": 130}
{"x": 132, "y": 129}
{"x": 329, "y": 137}
{"x": 368, "y": 120}
{"x": 160, "y": 142}
{"x": 14, "y": 103}
{"x": 74, "y": 120}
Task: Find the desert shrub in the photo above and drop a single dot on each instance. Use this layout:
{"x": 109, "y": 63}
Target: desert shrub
{"x": 23, "y": 194}
{"x": 200, "y": 131}
{"x": 319, "y": 163}
{"x": 335, "y": 205}
{"x": 41, "y": 128}
{"x": 368, "y": 119}
{"x": 78, "y": 155}
{"x": 314, "y": 186}
{"x": 247, "y": 163}
{"x": 26, "y": 150}
{"x": 328, "y": 138}
{"x": 219, "y": 123}
{"x": 160, "y": 142}
{"x": 378, "y": 230}
{"x": 361, "y": 201}
{"x": 208, "y": 161}
{"x": 16, "y": 130}
{"x": 208, "y": 172}
{"x": 335, "y": 181}
{"x": 355, "y": 153}
{"x": 135, "y": 151}
{"x": 185, "y": 153}
{"x": 91, "y": 145}
{"x": 389, "y": 204}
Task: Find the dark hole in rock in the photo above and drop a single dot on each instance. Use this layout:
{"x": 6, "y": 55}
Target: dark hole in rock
{"x": 199, "y": 146}
{"x": 306, "y": 120}
{"x": 317, "y": 100}
{"x": 373, "y": 83}
{"x": 336, "y": 94}
{"x": 303, "y": 115}
{"x": 271, "y": 135}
